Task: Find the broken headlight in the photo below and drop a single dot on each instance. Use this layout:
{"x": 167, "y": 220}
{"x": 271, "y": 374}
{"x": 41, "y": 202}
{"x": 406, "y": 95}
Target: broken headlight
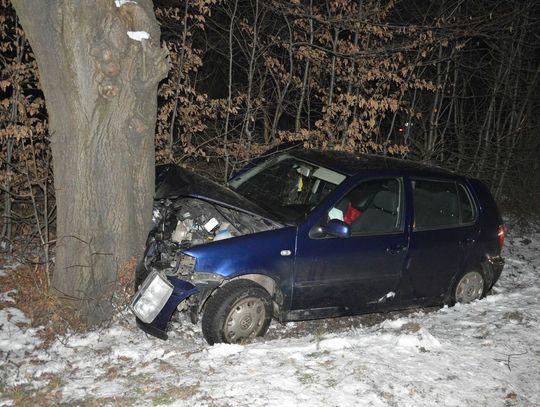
{"x": 152, "y": 297}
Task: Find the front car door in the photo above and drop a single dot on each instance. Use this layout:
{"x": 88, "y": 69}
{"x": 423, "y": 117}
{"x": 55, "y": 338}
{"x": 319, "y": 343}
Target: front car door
{"x": 339, "y": 276}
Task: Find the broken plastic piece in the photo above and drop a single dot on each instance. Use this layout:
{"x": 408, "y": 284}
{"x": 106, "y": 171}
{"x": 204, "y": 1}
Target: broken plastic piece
{"x": 335, "y": 213}
{"x": 180, "y": 233}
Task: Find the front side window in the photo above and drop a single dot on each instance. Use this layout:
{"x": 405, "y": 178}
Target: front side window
{"x": 374, "y": 206}
{"x": 440, "y": 204}
{"x": 287, "y": 187}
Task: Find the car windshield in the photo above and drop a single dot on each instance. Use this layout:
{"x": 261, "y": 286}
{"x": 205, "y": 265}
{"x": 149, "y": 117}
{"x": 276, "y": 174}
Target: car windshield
{"x": 287, "y": 187}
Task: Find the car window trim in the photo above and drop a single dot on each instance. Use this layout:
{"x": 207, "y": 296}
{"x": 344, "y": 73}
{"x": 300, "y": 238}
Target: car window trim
{"x": 472, "y": 202}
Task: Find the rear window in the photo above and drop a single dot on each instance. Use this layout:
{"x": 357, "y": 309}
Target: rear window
{"x": 440, "y": 204}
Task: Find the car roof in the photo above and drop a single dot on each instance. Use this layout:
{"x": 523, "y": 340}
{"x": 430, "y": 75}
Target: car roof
{"x": 352, "y": 164}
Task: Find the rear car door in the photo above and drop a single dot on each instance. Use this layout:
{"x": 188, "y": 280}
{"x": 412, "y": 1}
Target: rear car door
{"x": 344, "y": 275}
{"x": 444, "y": 234}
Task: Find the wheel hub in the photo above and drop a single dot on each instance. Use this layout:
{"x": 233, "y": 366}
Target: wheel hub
{"x": 245, "y": 323}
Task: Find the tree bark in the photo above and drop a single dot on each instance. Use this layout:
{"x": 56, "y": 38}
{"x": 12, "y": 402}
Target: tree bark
{"x": 100, "y": 88}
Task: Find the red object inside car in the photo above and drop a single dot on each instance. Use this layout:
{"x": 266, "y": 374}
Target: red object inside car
{"x": 351, "y": 214}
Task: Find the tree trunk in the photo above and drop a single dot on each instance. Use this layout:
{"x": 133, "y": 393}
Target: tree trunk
{"x": 100, "y": 88}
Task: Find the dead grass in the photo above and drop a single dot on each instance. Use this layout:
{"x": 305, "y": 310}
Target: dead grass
{"x": 125, "y": 285}
{"x": 174, "y": 394}
{"x": 31, "y": 294}
{"x": 49, "y": 395}
{"x": 29, "y": 289}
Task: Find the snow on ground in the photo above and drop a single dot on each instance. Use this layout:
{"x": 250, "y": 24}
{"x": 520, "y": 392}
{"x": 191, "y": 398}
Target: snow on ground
{"x": 481, "y": 354}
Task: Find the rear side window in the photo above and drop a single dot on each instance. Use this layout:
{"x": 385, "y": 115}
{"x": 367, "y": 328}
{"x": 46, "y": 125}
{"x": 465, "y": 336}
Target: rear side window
{"x": 439, "y": 204}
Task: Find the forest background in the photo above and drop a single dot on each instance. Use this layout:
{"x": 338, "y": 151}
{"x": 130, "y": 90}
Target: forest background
{"x": 452, "y": 83}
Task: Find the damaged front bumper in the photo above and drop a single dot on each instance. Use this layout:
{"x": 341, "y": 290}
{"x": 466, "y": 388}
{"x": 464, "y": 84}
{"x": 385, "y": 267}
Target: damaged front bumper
{"x": 155, "y": 302}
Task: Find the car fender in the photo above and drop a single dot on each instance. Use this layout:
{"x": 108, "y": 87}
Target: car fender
{"x": 486, "y": 269}
{"x": 266, "y": 258}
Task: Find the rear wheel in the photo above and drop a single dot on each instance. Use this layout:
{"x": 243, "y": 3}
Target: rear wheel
{"x": 236, "y": 312}
{"x": 469, "y": 287}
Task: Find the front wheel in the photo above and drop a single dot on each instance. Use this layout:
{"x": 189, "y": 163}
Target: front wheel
{"x": 469, "y": 287}
{"x": 239, "y": 310}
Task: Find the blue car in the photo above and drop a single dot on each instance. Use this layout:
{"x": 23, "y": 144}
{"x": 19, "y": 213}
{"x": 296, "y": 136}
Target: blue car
{"x": 305, "y": 234}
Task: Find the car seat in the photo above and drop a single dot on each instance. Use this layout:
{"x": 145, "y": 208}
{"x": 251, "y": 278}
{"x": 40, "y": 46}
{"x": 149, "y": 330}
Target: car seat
{"x": 380, "y": 216}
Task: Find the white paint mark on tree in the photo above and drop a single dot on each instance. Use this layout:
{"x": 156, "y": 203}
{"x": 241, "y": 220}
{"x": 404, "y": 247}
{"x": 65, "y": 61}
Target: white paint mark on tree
{"x": 138, "y": 35}
{"x": 120, "y": 3}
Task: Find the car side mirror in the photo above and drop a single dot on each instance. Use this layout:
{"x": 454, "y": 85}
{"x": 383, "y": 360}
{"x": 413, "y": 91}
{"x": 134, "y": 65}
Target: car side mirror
{"x": 337, "y": 228}
{"x": 334, "y": 228}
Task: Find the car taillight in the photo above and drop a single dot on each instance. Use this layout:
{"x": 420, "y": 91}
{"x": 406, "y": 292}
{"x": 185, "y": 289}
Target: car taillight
{"x": 502, "y": 235}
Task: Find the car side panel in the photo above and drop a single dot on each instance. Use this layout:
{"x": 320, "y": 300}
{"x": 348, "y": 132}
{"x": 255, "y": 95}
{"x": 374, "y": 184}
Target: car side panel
{"x": 437, "y": 256}
{"x": 348, "y": 273}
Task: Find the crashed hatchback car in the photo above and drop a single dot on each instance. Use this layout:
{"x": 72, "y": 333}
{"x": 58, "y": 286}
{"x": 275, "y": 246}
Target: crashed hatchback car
{"x": 307, "y": 234}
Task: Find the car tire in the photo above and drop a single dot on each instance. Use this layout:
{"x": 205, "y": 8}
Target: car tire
{"x": 468, "y": 287}
{"x": 237, "y": 311}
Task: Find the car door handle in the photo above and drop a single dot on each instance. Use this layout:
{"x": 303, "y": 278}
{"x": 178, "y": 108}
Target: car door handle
{"x": 393, "y": 250}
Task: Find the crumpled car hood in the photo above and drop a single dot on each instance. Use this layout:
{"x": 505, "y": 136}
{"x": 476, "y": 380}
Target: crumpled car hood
{"x": 173, "y": 181}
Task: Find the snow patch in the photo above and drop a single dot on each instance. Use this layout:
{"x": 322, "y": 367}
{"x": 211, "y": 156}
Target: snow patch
{"x": 494, "y": 298}
{"x": 13, "y": 335}
{"x": 335, "y": 344}
{"x": 138, "y": 35}
{"x": 394, "y": 323}
{"x": 222, "y": 350}
{"x": 16, "y": 316}
{"x": 6, "y": 296}
{"x": 6, "y": 267}
{"x": 422, "y": 340}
